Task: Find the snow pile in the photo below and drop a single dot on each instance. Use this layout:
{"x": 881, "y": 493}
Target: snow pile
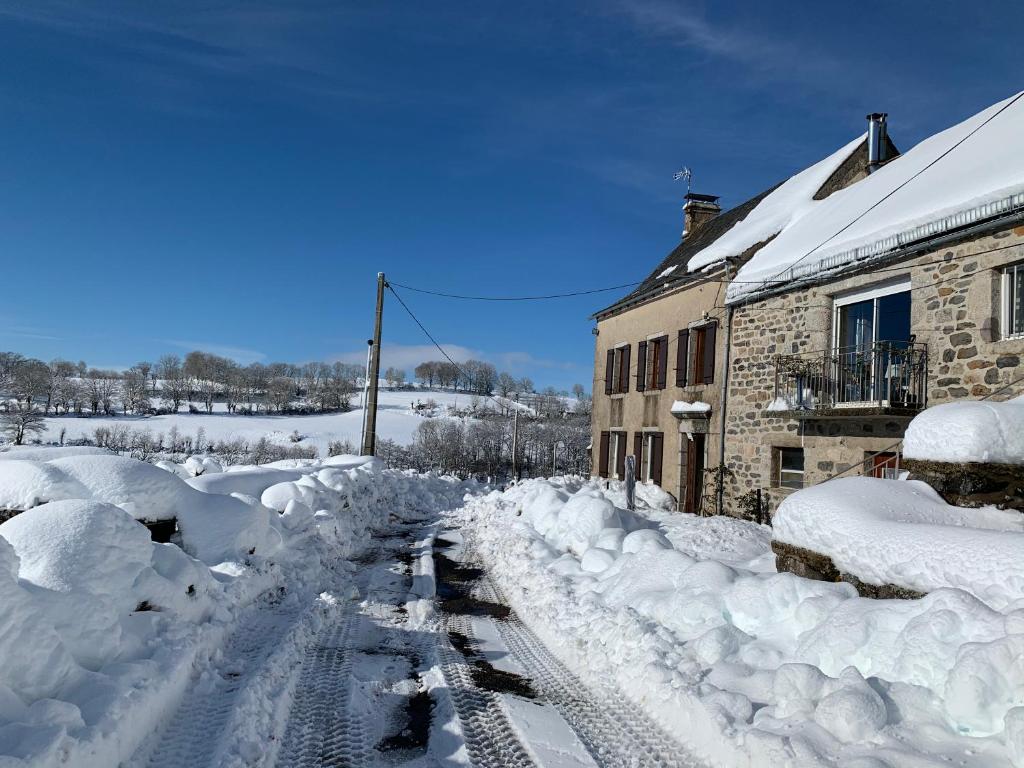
{"x": 101, "y": 629}
{"x": 968, "y": 432}
{"x": 788, "y": 203}
{"x": 699, "y": 407}
{"x": 753, "y": 668}
{"x": 938, "y": 178}
{"x": 903, "y": 533}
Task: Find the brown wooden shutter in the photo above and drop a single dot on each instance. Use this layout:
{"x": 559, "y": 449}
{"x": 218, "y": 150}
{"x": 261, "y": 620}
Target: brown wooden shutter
{"x": 602, "y": 455}
{"x": 709, "y": 353}
{"x": 620, "y": 460}
{"x": 608, "y": 372}
{"x": 638, "y": 452}
{"x": 682, "y": 350}
{"x": 641, "y": 366}
{"x": 662, "y": 361}
{"x": 624, "y": 372}
{"x": 657, "y": 450}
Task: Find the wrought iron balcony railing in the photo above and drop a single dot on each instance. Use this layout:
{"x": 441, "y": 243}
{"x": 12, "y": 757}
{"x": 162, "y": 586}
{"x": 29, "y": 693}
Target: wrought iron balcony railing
{"x": 883, "y": 374}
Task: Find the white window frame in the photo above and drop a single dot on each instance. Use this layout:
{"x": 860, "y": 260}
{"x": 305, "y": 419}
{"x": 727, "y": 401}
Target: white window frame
{"x": 801, "y": 472}
{"x": 613, "y": 454}
{"x": 646, "y": 475}
{"x": 1006, "y": 320}
{"x": 900, "y": 285}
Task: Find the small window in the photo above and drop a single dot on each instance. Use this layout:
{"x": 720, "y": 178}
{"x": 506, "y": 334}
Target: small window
{"x": 616, "y": 376}
{"x": 791, "y": 467}
{"x": 1013, "y": 301}
{"x": 617, "y": 456}
{"x": 702, "y": 354}
{"x": 883, "y": 465}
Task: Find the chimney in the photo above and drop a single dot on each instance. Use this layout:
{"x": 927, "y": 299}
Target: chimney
{"x": 877, "y": 140}
{"x": 699, "y": 210}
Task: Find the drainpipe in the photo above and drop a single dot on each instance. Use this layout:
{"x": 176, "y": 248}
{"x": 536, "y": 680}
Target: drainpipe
{"x": 725, "y": 400}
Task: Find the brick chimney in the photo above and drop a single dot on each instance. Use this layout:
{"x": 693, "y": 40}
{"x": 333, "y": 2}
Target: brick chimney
{"x": 699, "y": 210}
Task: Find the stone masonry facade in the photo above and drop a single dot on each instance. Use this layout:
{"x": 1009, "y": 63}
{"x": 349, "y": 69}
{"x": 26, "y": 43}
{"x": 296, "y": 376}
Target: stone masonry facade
{"x": 956, "y": 308}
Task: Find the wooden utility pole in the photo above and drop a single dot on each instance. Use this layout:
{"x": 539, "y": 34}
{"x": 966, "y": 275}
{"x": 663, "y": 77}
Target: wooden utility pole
{"x": 370, "y": 432}
{"x": 515, "y": 438}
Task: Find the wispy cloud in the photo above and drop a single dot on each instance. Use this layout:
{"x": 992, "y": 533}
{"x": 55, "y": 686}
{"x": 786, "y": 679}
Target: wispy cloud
{"x": 238, "y": 354}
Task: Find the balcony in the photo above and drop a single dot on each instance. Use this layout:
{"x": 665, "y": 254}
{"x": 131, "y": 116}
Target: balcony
{"x": 882, "y": 378}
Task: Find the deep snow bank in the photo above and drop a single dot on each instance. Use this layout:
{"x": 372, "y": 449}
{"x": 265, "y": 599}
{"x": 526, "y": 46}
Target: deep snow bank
{"x": 968, "y": 432}
{"x": 100, "y": 628}
{"x": 902, "y": 532}
{"x": 753, "y": 668}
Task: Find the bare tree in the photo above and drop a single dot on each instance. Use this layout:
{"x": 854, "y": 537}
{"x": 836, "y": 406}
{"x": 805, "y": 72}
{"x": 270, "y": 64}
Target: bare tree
{"x": 20, "y": 422}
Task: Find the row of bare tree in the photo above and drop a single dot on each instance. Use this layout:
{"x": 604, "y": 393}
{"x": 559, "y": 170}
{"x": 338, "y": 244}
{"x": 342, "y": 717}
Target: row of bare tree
{"x": 62, "y": 386}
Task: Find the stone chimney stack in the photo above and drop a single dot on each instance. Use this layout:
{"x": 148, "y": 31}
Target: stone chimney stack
{"x": 699, "y": 210}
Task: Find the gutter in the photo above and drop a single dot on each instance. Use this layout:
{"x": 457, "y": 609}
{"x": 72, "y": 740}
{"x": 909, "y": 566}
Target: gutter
{"x": 720, "y": 490}
{"x": 1008, "y": 211}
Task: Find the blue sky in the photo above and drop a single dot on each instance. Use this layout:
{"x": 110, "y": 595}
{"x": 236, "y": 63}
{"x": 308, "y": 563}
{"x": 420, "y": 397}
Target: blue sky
{"x": 232, "y": 176}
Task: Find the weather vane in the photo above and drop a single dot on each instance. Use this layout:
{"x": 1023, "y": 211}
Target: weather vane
{"x": 687, "y": 174}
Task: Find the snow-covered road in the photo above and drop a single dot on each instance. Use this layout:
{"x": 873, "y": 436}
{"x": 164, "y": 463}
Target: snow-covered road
{"x": 420, "y": 664}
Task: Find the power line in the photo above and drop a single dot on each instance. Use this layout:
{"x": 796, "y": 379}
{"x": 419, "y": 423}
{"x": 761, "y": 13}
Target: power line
{"x": 516, "y": 298}
{"x": 434, "y": 342}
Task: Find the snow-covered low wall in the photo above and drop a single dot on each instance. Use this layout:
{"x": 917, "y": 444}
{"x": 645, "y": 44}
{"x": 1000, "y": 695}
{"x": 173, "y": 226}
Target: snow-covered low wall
{"x": 902, "y": 533}
{"x": 754, "y": 668}
{"x": 101, "y": 628}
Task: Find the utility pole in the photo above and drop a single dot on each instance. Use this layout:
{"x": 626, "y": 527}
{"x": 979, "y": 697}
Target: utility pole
{"x": 370, "y": 431}
{"x": 362, "y": 395}
{"x": 515, "y": 439}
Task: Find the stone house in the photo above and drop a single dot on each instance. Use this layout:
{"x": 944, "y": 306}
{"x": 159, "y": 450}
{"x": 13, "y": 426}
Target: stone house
{"x": 904, "y": 290}
{"x": 660, "y": 355}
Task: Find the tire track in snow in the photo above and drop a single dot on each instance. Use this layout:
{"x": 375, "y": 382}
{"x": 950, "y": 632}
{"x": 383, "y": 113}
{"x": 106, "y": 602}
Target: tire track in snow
{"x": 616, "y": 733}
{"x": 196, "y": 733}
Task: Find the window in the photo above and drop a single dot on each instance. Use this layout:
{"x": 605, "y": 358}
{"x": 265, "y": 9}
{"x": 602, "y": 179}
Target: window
{"x": 617, "y": 456}
{"x": 698, "y": 348}
{"x": 616, "y": 373}
{"x": 650, "y": 452}
{"x": 1013, "y": 301}
{"x": 884, "y": 465}
{"x": 791, "y": 467}
{"x": 652, "y": 364}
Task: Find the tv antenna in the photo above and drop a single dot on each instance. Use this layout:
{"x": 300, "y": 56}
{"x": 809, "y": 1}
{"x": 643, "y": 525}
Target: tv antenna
{"x": 685, "y": 173}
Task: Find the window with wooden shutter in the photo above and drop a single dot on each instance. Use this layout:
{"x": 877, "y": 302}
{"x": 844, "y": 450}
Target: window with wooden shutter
{"x": 638, "y": 453}
{"x": 662, "y": 362}
{"x": 620, "y": 459}
{"x": 709, "y": 352}
{"x": 602, "y": 456}
{"x": 624, "y": 372}
{"x": 608, "y": 369}
{"x": 682, "y": 357}
{"x": 657, "y": 450}
{"x": 641, "y": 366}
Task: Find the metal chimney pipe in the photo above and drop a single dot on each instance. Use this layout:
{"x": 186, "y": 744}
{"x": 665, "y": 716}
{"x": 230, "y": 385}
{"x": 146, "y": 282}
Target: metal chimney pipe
{"x": 877, "y": 134}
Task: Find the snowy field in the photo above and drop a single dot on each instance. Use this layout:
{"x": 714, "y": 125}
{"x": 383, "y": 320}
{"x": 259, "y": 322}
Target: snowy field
{"x": 396, "y": 420}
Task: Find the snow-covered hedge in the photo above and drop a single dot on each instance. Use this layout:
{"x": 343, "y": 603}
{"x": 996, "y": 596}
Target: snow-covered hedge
{"x": 100, "y": 628}
{"x": 968, "y": 431}
{"x": 754, "y": 668}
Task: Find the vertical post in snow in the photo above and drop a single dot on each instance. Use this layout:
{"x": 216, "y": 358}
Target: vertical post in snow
{"x": 554, "y": 448}
{"x": 362, "y": 395}
{"x": 515, "y": 438}
{"x": 631, "y": 482}
{"x": 370, "y": 431}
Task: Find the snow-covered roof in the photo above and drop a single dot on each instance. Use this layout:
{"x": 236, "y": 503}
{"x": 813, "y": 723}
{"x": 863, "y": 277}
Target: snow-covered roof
{"x": 967, "y": 173}
{"x": 787, "y": 203}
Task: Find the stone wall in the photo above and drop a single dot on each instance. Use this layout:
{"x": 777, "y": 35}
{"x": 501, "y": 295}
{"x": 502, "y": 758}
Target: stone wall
{"x": 955, "y": 310}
